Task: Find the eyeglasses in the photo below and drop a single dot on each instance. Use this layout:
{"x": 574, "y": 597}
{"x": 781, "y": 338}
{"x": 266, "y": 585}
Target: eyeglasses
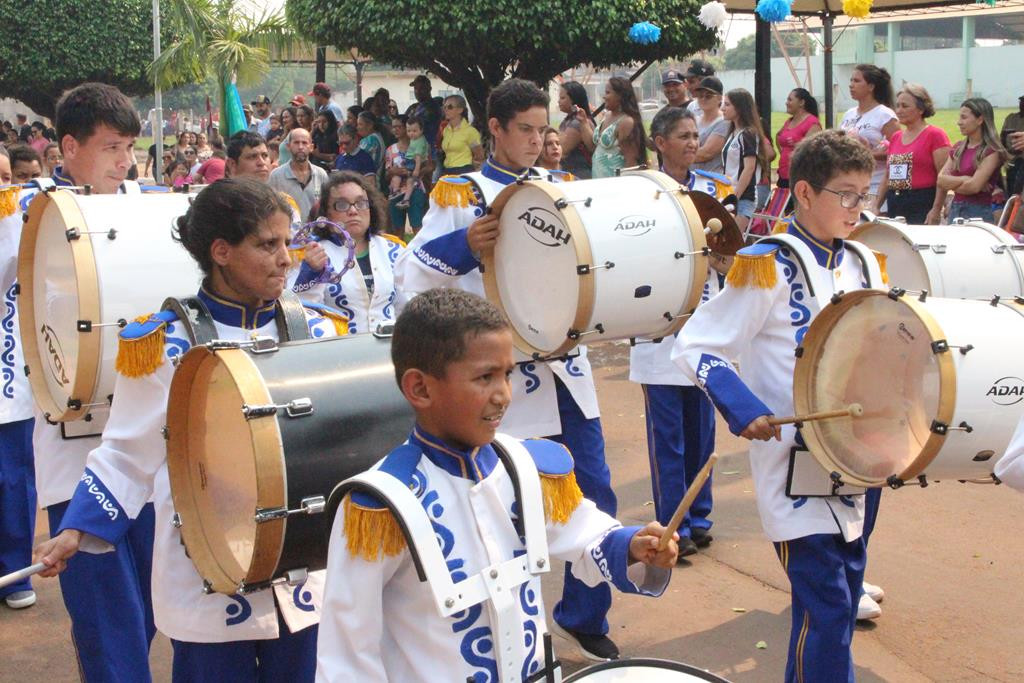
{"x": 705, "y": 94}
{"x": 343, "y": 205}
{"x": 452, "y": 106}
{"x": 847, "y": 198}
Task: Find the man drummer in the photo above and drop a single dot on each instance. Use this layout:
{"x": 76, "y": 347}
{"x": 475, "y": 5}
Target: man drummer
{"x": 761, "y": 317}
{"x": 555, "y": 398}
{"x": 237, "y": 230}
{"x": 680, "y": 417}
{"x": 107, "y": 596}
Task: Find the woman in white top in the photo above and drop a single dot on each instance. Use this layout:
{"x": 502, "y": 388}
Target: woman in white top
{"x": 366, "y": 292}
{"x": 873, "y": 119}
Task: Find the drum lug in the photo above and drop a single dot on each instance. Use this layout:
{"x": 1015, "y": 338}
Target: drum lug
{"x": 308, "y": 506}
{"x": 940, "y": 346}
{"x": 576, "y": 334}
{"x": 994, "y": 301}
{"x": 837, "y": 482}
{"x": 292, "y": 577}
{"x": 895, "y": 293}
{"x": 937, "y": 248}
{"x": 940, "y": 428}
{"x": 384, "y": 331}
{"x": 165, "y": 432}
{"x": 263, "y": 345}
{"x": 562, "y": 202}
{"x": 87, "y": 325}
{"x": 207, "y": 587}
{"x": 176, "y": 520}
{"x": 300, "y": 407}
{"x": 585, "y": 269}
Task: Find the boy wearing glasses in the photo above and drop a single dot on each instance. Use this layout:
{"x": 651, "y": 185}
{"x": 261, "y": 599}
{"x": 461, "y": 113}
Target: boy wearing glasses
{"x": 773, "y": 291}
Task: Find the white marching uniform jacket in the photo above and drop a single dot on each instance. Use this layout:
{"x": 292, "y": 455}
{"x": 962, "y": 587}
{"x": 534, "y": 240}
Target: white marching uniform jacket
{"x": 365, "y": 311}
{"x": 650, "y": 362}
{"x": 15, "y": 394}
{"x": 129, "y": 469}
{"x": 439, "y": 256}
{"x": 381, "y": 623}
{"x": 1010, "y": 467}
{"x": 759, "y": 319}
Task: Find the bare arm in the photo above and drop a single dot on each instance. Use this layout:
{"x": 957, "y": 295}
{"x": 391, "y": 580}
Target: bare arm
{"x": 623, "y": 133}
{"x": 883, "y": 190}
{"x": 980, "y": 180}
{"x": 711, "y": 148}
{"x": 939, "y": 157}
{"x": 946, "y": 180}
{"x": 749, "y": 164}
{"x": 569, "y": 138}
{"x": 586, "y": 130}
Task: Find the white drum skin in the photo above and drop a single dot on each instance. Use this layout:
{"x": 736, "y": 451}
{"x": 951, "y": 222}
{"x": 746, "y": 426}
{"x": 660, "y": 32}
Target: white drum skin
{"x": 971, "y": 259}
{"x": 93, "y": 278}
{"x": 641, "y": 238}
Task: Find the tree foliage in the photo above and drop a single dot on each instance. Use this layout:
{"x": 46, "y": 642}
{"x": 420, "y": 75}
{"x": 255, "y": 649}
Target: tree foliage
{"x": 474, "y": 45}
{"x": 48, "y": 46}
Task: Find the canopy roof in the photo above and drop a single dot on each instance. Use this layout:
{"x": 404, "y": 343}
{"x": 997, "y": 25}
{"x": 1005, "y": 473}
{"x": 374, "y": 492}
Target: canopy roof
{"x": 835, "y": 7}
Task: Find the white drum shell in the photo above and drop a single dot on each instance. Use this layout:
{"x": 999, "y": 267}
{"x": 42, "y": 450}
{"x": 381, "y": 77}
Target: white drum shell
{"x": 971, "y": 259}
{"x": 134, "y": 272}
{"x": 630, "y": 222}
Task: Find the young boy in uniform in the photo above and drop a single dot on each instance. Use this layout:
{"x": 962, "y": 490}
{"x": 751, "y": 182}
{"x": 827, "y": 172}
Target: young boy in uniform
{"x": 453, "y": 356}
{"x": 759, "y": 319}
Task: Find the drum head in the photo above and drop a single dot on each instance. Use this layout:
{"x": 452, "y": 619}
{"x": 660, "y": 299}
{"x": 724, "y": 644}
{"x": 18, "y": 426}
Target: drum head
{"x": 540, "y": 246}
{"x": 905, "y": 266}
{"x": 643, "y": 671}
{"x": 216, "y": 496}
{"x": 875, "y": 350}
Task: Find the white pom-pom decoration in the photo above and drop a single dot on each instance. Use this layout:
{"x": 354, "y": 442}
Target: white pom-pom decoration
{"x": 713, "y": 15}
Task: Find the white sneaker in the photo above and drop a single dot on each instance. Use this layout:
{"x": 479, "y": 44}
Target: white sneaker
{"x": 868, "y": 608}
{"x": 876, "y": 592}
{"x": 21, "y": 599}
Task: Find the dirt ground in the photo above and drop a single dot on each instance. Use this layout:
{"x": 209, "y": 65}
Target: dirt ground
{"x": 948, "y": 557}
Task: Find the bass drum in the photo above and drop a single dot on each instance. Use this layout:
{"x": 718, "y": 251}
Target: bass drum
{"x": 257, "y": 439}
{"x": 596, "y": 260}
{"x": 941, "y": 382}
{"x": 643, "y": 671}
{"x": 971, "y": 259}
{"x": 86, "y": 265}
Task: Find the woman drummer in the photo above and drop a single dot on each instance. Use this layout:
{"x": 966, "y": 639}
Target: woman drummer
{"x": 366, "y": 292}
{"x": 237, "y": 230}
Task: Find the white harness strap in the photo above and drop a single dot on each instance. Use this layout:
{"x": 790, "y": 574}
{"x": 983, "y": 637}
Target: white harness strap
{"x": 869, "y": 264}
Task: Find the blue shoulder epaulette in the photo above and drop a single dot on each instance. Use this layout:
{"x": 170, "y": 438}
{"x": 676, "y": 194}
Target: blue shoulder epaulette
{"x": 336, "y": 317}
{"x": 551, "y": 457}
{"x": 140, "y": 347}
{"x": 758, "y": 249}
{"x": 401, "y": 464}
{"x": 714, "y": 176}
{"x": 146, "y": 325}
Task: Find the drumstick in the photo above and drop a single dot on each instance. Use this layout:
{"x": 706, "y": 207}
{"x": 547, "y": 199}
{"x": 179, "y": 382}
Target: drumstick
{"x": 21, "y": 574}
{"x": 687, "y": 501}
{"x": 714, "y": 226}
{"x": 853, "y": 410}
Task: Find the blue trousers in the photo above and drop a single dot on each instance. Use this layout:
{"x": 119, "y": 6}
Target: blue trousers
{"x": 680, "y": 438}
{"x": 872, "y": 499}
{"x": 291, "y": 657}
{"x": 17, "y": 501}
{"x": 109, "y": 601}
{"x": 583, "y": 608}
{"x": 825, "y": 575}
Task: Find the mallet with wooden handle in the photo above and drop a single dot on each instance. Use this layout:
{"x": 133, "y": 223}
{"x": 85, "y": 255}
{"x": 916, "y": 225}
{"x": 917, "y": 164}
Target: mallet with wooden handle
{"x": 687, "y": 501}
{"x": 853, "y": 410}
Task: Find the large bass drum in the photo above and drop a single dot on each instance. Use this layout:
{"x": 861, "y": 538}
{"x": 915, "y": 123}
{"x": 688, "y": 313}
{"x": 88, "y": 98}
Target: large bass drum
{"x": 643, "y": 671}
{"x": 86, "y": 265}
{"x": 257, "y": 439}
{"x": 941, "y": 382}
{"x": 970, "y": 259}
{"x": 597, "y": 260}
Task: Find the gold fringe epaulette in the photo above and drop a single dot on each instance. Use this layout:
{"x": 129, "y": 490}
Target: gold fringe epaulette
{"x": 753, "y": 269}
{"x": 882, "y": 260}
{"x": 393, "y": 238}
{"x": 371, "y": 531}
{"x": 453, "y": 190}
{"x": 292, "y": 203}
{"x": 780, "y": 226}
{"x": 141, "y": 355}
{"x": 8, "y": 201}
{"x": 562, "y": 495}
{"x": 340, "y": 323}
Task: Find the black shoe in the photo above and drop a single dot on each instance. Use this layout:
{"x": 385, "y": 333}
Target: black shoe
{"x": 701, "y": 537}
{"x": 597, "y": 648}
{"x": 686, "y": 547}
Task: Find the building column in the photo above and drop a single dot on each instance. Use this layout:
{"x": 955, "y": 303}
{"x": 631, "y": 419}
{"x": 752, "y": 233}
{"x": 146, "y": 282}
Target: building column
{"x": 893, "y": 43}
{"x": 968, "y": 43}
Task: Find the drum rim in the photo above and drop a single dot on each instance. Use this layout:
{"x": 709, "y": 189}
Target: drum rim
{"x": 696, "y": 226}
{"x": 271, "y": 484}
{"x": 806, "y": 366}
{"x": 87, "y": 362}
{"x": 649, "y": 661}
{"x": 581, "y": 245}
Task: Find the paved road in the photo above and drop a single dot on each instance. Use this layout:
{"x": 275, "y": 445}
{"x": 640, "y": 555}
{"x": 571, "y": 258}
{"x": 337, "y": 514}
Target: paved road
{"x": 949, "y": 558}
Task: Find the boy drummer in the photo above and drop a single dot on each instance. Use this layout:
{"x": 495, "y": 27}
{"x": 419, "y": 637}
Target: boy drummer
{"x": 453, "y": 357}
{"x": 760, "y": 318}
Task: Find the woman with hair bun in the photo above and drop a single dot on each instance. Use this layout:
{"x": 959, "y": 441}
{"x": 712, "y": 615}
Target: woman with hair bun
{"x": 872, "y": 121}
{"x": 237, "y": 230}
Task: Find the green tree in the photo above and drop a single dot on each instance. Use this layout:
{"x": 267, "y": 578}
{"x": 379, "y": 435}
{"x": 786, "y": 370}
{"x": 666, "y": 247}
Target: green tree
{"x": 48, "y": 46}
{"x": 474, "y": 45}
{"x": 218, "y": 39}
{"x": 743, "y": 55}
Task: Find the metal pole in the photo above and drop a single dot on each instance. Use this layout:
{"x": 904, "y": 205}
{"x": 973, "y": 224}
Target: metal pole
{"x": 826, "y": 39}
{"x": 763, "y": 72}
{"x": 636, "y": 74}
{"x": 158, "y": 125}
{"x": 321, "y": 64}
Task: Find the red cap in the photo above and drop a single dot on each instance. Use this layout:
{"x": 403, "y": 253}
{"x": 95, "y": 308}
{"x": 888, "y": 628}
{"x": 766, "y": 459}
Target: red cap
{"x": 297, "y": 100}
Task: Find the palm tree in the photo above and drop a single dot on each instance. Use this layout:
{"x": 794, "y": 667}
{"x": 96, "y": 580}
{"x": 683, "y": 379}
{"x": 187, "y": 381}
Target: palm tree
{"x": 216, "y": 38}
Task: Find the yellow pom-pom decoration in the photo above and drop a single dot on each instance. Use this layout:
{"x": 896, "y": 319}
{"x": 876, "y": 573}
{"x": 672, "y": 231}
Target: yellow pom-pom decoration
{"x": 858, "y": 9}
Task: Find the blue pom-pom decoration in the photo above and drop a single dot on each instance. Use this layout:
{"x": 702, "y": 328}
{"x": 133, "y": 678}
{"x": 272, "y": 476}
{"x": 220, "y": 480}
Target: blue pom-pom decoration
{"x": 774, "y": 11}
{"x": 644, "y": 32}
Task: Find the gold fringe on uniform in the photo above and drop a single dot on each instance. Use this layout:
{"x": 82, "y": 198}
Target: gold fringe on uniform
{"x": 8, "y": 201}
{"x": 448, "y": 194}
{"x": 297, "y": 255}
{"x": 882, "y": 259}
{"x": 562, "y": 495}
{"x": 340, "y": 322}
{"x": 369, "y": 532}
{"x": 142, "y": 356}
{"x": 750, "y": 270}
{"x": 780, "y": 226}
